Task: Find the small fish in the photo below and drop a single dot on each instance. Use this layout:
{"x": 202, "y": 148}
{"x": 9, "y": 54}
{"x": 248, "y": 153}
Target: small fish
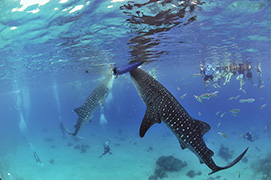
{"x": 194, "y": 75}
{"x": 261, "y": 87}
{"x": 261, "y": 98}
{"x": 265, "y": 128}
{"x": 217, "y": 113}
{"x": 223, "y": 114}
{"x": 216, "y": 86}
{"x": 241, "y": 135}
{"x": 223, "y": 135}
{"x": 178, "y": 89}
{"x": 239, "y": 174}
{"x": 235, "y": 114}
{"x": 236, "y": 97}
{"x": 198, "y": 99}
{"x": 231, "y": 98}
{"x": 218, "y": 125}
{"x": 199, "y": 113}
{"x": 244, "y": 91}
{"x": 183, "y": 96}
{"x": 235, "y": 110}
{"x": 250, "y": 100}
{"x": 208, "y": 95}
{"x": 262, "y": 106}
{"x": 242, "y": 100}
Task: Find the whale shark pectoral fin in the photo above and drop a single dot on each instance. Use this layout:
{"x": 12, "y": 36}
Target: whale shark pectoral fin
{"x": 151, "y": 117}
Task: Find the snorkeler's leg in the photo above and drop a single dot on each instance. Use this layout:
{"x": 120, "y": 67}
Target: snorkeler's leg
{"x": 242, "y": 82}
{"x": 230, "y": 75}
{"x": 226, "y": 80}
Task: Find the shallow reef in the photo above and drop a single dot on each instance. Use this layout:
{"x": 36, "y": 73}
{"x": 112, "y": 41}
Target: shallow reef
{"x": 262, "y": 167}
{"x": 165, "y": 164}
{"x": 216, "y": 178}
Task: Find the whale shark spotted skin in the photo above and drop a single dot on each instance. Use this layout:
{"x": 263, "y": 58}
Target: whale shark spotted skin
{"x": 163, "y": 106}
{"x": 96, "y": 98}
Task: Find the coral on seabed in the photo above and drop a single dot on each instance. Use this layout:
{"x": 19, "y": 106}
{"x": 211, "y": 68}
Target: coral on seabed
{"x": 192, "y": 173}
{"x": 170, "y": 163}
{"x": 166, "y": 164}
{"x": 262, "y": 167}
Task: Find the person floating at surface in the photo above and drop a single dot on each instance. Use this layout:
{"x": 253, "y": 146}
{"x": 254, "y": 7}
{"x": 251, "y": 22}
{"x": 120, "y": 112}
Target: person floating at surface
{"x": 229, "y": 73}
{"x": 202, "y": 72}
{"x": 209, "y": 70}
{"x": 259, "y": 75}
{"x": 249, "y": 73}
{"x": 106, "y": 149}
{"x": 127, "y": 68}
{"x": 241, "y": 77}
{"x": 218, "y": 74}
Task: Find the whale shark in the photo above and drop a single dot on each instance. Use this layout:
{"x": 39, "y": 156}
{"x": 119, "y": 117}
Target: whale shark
{"x": 163, "y": 106}
{"x": 96, "y": 98}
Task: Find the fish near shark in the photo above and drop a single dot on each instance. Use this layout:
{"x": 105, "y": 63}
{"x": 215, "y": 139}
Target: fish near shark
{"x": 163, "y": 106}
{"x": 96, "y": 98}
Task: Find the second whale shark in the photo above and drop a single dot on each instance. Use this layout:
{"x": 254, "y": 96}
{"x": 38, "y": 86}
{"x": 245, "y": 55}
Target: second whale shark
{"x": 96, "y": 98}
{"x": 163, "y": 106}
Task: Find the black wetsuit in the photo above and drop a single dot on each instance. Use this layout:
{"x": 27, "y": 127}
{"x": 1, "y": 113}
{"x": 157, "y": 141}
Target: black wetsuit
{"x": 106, "y": 150}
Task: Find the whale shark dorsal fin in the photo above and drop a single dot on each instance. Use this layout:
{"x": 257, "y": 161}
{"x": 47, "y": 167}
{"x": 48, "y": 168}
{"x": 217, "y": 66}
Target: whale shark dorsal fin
{"x": 151, "y": 117}
{"x": 78, "y": 110}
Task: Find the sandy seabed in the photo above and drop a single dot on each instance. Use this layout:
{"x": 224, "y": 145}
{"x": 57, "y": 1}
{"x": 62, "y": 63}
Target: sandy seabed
{"x": 133, "y": 158}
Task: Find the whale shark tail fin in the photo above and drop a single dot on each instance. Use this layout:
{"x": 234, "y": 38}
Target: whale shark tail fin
{"x": 69, "y": 132}
{"x": 217, "y": 168}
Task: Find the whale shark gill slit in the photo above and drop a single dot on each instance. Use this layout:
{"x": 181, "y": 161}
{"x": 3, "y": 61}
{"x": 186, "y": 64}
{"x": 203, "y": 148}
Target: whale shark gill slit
{"x": 163, "y": 106}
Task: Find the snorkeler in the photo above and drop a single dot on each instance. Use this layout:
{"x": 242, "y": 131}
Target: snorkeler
{"x": 37, "y": 158}
{"x": 249, "y": 73}
{"x": 241, "y": 76}
{"x": 127, "y": 68}
{"x": 229, "y": 71}
{"x": 209, "y": 70}
{"x": 250, "y": 137}
{"x": 202, "y": 72}
{"x": 218, "y": 74}
{"x": 106, "y": 149}
{"x": 259, "y": 75}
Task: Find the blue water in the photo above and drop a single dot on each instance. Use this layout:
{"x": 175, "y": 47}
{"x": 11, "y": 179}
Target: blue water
{"x": 54, "y": 53}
